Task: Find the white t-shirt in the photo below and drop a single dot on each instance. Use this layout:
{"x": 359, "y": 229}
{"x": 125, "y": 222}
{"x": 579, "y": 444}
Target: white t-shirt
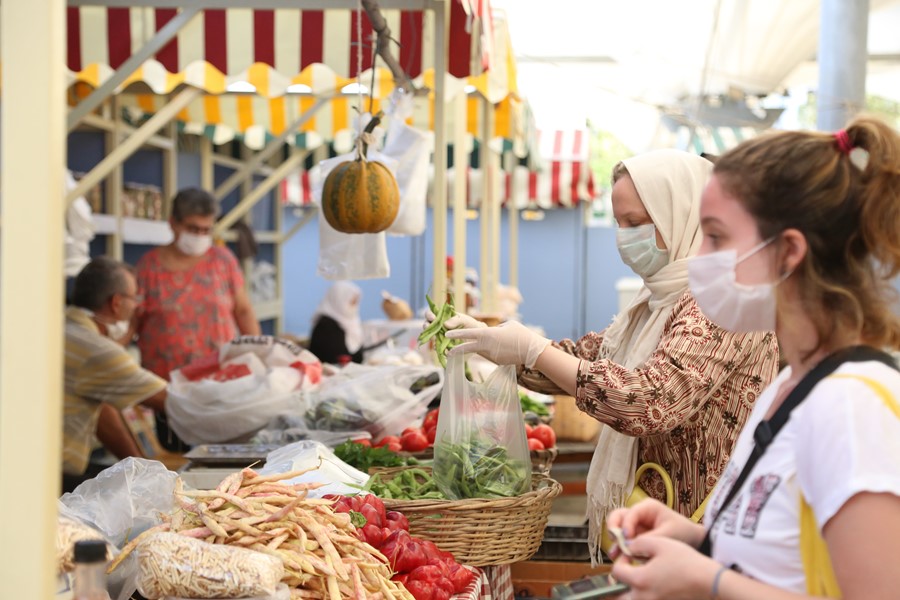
{"x": 842, "y": 440}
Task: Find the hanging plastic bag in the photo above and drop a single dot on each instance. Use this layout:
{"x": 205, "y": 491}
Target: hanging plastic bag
{"x": 350, "y": 256}
{"x": 480, "y": 449}
{"x": 411, "y": 148}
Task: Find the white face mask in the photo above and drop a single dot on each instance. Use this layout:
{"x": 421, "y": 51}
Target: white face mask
{"x": 117, "y": 330}
{"x": 638, "y": 249}
{"x": 731, "y": 305}
{"x": 193, "y": 244}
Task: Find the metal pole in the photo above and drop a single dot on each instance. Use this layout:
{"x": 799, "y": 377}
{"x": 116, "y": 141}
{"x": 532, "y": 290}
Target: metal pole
{"x": 843, "y": 53}
{"x": 206, "y": 163}
{"x": 460, "y": 181}
{"x": 486, "y": 214}
{"x": 33, "y": 125}
{"x": 115, "y": 245}
{"x": 513, "y": 226}
{"x": 131, "y": 65}
{"x": 131, "y": 145}
{"x": 439, "y": 193}
{"x": 256, "y": 194}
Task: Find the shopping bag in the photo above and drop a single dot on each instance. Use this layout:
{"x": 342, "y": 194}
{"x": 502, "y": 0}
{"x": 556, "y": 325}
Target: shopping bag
{"x": 411, "y": 148}
{"x": 480, "y": 450}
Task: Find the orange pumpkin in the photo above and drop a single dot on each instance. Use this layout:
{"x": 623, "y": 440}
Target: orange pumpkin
{"x": 360, "y": 196}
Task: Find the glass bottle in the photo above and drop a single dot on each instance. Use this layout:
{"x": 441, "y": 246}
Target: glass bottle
{"x": 90, "y": 570}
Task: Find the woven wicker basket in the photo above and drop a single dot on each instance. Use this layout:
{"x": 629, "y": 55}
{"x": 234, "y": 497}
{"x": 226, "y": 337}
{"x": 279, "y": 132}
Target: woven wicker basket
{"x": 482, "y": 532}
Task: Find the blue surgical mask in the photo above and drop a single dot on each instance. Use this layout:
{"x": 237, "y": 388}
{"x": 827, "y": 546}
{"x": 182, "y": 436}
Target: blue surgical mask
{"x": 638, "y": 249}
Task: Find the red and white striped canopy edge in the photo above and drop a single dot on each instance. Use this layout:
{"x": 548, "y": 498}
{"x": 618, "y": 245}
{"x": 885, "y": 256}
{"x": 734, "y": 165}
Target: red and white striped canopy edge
{"x": 564, "y": 181}
{"x": 288, "y": 40}
{"x": 296, "y": 189}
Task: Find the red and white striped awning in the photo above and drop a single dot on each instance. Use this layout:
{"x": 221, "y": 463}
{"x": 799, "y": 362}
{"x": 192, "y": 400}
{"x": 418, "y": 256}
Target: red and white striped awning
{"x": 564, "y": 180}
{"x": 563, "y": 177}
{"x": 271, "y": 49}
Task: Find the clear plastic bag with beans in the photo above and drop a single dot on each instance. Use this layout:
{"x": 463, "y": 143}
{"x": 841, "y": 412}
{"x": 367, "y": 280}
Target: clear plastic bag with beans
{"x": 170, "y": 564}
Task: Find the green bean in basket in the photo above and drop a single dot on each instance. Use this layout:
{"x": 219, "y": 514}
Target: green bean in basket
{"x": 437, "y": 331}
{"x": 479, "y": 470}
{"x": 409, "y": 484}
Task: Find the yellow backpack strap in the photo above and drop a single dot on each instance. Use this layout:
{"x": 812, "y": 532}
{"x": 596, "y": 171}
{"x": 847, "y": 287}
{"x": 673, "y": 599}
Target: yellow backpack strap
{"x": 820, "y": 578}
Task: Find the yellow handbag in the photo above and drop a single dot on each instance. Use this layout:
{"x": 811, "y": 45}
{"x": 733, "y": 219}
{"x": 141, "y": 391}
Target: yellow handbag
{"x": 638, "y": 494}
{"x": 820, "y": 579}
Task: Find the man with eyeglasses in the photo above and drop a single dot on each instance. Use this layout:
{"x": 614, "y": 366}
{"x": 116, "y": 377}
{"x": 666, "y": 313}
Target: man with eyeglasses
{"x": 101, "y": 378}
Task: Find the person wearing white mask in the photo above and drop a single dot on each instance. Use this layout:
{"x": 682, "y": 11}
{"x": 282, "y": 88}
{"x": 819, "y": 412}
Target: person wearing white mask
{"x": 337, "y": 334}
{"x": 195, "y": 296}
{"x": 801, "y": 232}
{"x": 101, "y": 378}
{"x": 670, "y": 386}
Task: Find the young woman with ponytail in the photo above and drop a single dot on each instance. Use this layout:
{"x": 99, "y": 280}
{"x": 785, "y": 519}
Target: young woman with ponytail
{"x": 801, "y": 231}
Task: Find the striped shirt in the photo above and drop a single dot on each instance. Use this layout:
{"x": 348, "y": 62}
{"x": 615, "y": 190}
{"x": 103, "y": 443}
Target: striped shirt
{"x": 687, "y": 403}
{"x": 97, "y": 370}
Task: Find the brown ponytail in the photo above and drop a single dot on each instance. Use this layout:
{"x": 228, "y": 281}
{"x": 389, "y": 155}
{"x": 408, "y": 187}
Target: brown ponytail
{"x": 849, "y": 216}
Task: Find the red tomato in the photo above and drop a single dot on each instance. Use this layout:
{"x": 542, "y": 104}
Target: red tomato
{"x": 431, "y": 419}
{"x": 366, "y": 443}
{"x": 535, "y": 444}
{"x": 414, "y": 441}
{"x": 545, "y": 434}
{"x": 528, "y": 430}
{"x": 394, "y": 446}
{"x": 388, "y": 439}
{"x": 431, "y": 433}
{"x": 410, "y": 430}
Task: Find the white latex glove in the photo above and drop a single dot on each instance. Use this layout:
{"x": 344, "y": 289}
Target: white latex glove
{"x": 458, "y": 321}
{"x": 509, "y": 344}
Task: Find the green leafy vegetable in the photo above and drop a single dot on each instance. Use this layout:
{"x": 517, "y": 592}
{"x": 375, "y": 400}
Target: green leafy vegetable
{"x": 364, "y": 457}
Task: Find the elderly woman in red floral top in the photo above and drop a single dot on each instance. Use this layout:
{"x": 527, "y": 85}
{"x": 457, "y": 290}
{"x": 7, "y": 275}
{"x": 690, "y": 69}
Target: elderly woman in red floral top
{"x": 194, "y": 293}
{"x": 671, "y": 386}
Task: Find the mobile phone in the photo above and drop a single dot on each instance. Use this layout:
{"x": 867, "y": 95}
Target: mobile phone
{"x": 589, "y": 588}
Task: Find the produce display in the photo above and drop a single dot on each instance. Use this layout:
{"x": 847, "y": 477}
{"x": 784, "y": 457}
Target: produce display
{"x": 410, "y": 484}
{"x": 360, "y": 455}
{"x": 345, "y": 412}
{"x": 530, "y": 405}
{"x": 540, "y": 437}
{"x": 426, "y": 571}
{"x": 175, "y": 565}
{"x": 322, "y": 555}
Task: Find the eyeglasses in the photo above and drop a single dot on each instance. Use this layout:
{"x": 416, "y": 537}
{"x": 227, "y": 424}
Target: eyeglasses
{"x": 137, "y": 298}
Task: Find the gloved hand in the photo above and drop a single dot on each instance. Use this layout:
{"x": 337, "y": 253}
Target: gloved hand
{"x": 509, "y": 344}
{"x": 458, "y": 321}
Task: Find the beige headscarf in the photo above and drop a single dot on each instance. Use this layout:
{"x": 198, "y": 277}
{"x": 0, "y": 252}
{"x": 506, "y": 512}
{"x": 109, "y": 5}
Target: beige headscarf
{"x": 669, "y": 183}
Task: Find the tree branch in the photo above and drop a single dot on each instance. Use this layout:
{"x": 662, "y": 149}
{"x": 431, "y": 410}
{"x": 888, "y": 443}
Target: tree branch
{"x": 383, "y": 46}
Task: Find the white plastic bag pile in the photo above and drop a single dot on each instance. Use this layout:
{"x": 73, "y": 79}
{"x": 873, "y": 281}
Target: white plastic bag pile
{"x": 230, "y": 396}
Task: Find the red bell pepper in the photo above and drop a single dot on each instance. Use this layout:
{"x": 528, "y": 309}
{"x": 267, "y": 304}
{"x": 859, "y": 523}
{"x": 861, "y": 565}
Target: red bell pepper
{"x": 372, "y": 516}
{"x": 427, "y": 590}
{"x": 373, "y": 535}
{"x": 395, "y": 520}
{"x": 460, "y": 577}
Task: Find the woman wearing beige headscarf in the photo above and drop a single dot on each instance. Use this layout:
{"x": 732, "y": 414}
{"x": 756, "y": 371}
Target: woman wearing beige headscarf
{"x": 671, "y": 387}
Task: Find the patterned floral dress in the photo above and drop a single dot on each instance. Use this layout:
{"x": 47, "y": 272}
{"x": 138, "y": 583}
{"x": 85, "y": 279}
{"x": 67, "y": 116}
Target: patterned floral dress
{"x": 687, "y": 403}
{"x": 187, "y": 314}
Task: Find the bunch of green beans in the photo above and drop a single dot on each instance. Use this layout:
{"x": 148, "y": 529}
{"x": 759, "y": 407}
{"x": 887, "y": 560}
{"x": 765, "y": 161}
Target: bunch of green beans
{"x": 437, "y": 331}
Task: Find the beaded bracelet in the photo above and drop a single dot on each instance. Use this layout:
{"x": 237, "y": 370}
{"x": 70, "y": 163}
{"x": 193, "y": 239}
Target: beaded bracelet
{"x": 716, "y": 580}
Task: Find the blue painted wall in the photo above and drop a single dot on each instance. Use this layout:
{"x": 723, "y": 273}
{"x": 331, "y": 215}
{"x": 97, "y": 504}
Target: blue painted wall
{"x": 567, "y": 272}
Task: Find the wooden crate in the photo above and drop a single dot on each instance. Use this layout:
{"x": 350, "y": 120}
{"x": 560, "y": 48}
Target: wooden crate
{"x": 572, "y": 425}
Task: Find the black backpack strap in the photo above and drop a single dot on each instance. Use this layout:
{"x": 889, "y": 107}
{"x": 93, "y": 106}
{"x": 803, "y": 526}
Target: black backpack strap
{"x": 766, "y": 431}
